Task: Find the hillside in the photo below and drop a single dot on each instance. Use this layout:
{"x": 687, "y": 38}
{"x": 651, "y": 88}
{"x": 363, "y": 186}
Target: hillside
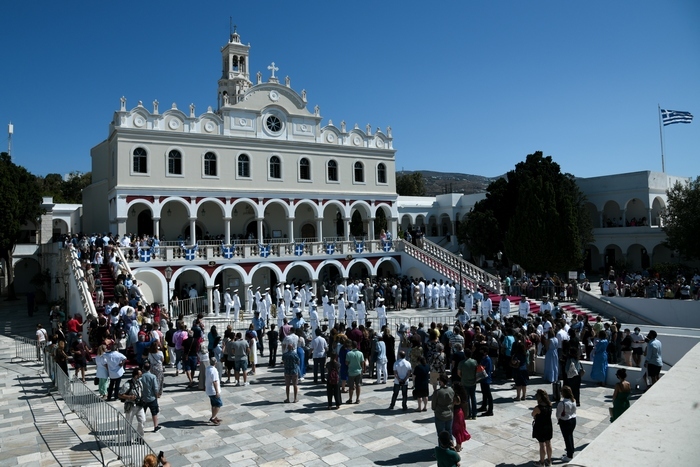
{"x": 437, "y": 183}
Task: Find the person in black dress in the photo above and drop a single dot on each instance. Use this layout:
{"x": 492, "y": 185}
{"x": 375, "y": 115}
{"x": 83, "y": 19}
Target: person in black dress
{"x": 542, "y": 426}
{"x": 421, "y": 382}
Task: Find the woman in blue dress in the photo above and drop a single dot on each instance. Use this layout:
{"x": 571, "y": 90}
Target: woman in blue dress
{"x": 599, "y": 372}
{"x": 551, "y": 358}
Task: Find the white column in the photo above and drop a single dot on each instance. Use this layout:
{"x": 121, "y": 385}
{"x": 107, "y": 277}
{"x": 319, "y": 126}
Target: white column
{"x": 156, "y": 227}
{"x": 259, "y": 220}
{"x": 346, "y": 230}
{"x": 290, "y": 229}
{"x": 210, "y": 299}
{"x": 394, "y": 227}
{"x": 602, "y": 220}
{"x": 227, "y": 230}
{"x": 193, "y": 232}
{"x": 370, "y": 228}
{"x": 319, "y": 229}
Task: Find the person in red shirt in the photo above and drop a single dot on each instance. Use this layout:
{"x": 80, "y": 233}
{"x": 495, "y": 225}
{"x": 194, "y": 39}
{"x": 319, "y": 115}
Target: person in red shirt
{"x": 74, "y": 328}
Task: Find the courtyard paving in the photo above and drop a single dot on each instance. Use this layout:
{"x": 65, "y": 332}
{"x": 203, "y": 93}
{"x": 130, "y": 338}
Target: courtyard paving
{"x": 260, "y": 429}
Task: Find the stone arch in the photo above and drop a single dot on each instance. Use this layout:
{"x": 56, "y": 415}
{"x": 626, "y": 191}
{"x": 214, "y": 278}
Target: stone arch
{"x": 433, "y": 230}
{"x": 381, "y": 268}
{"x": 152, "y": 284}
{"x": 60, "y": 227}
{"x": 612, "y": 254}
{"x": 162, "y": 212}
{"x": 330, "y": 270}
{"x": 305, "y": 215}
{"x": 264, "y": 275}
{"x": 333, "y": 224}
{"x": 635, "y": 213}
{"x": 592, "y": 261}
{"x": 210, "y": 215}
{"x": 421, "y": 223}
{"x": 657, "y": 208}
{"x": 445, "y": 225}
{"x": 302, "y": 264}
{"x": 638, "y": 257}
{"x": 275, "y": 219}
{"x": 359, "y": 268}
{"x": 243, "y": 211}
{"x": 187, "y": 276}
{"x": 406, "y": 222}
{"x": 612, "y": 214}
{"x": 140, "y": 217}
{"x": 288, "y": 210}
{"x": 230, "y": 275}
{"x": 381, "y": 222}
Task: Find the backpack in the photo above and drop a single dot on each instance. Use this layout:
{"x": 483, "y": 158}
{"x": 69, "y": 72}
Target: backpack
{"x": 333, "y": 377}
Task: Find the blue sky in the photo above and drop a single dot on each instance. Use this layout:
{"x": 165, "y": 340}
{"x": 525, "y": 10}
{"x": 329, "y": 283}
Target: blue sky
{"x": 467, "y": 86}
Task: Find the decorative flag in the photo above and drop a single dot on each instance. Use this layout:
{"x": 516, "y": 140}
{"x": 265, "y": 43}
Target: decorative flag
{"x": 144, "y": 255}
{"x": 669, "y": 117}
{"x": 387, "y": 246}
{"x": 330, "y": 248}
{"x": 227, "y": 251}
{"x": 299, "y": 249}
{"x": 190, "y": 253}
{"x": 359, "y": 246}
{"x": 264, "y": 250}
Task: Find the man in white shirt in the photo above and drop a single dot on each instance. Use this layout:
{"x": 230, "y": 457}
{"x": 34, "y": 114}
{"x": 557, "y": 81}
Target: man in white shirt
{"x": 523, "y": 307}
{"x": 228, "y": 302}
{"x": 487, "y": 306}
{"x": 429, "y": 295}
{"x": 350, "y": 314}
{"x": 504, "y": 306}
{"x": 287, "y": 296}
{"x": 478, "y": 299}
{"x": 341, "y": 308}
{"x": 236, "y": 305}
{"x": 451, "y": 295}
{"x": 421, "y": 295}
{"x": 381, "y": 313}
{"x": 329, "y": 313}
{"x": 442, "y": 295}
{"x": 250, "y": 297}
{"x": 319, "y": 347}
{"x": 436, "y": 294}
{"x": 213, "y": 389}
{"x": 216, "y": 299}
{"x": 546, "y": 305}
{"x": 313, "y": 317}
{"x": 402, "y": 372}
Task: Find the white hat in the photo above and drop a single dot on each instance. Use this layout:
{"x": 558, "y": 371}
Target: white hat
{"x": 267, "y": 289}
{"x": 235, "y": 291}
{"x": 286, "y": 286}
{"x": 381, "y": 299}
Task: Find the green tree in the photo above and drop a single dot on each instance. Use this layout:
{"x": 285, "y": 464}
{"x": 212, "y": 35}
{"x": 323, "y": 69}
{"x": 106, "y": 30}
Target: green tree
{"x": 535, "y": 216}
{"x": 20, "y": 198}
{"x": 69, "y": 190}
{"x": 410, "y": 184}
{"x": 682, "y": 219}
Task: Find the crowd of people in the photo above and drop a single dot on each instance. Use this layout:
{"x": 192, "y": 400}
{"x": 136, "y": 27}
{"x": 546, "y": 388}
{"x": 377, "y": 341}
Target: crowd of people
{"x": 647, "y": 285}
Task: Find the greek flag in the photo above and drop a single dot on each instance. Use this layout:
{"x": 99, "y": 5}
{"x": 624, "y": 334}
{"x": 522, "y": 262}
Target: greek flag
{"x": 669, "y": 117}
{"x": 330, "y": 248}
{"x": 387, "y": 246}
{"x": 264, "y": 250}
{"x": 190, "y": 253}
{"x": 227, "y": 251}
{"x": 144, "y": 255}
{"x": 299, "y": 249}
{"x": 359, "y": 246}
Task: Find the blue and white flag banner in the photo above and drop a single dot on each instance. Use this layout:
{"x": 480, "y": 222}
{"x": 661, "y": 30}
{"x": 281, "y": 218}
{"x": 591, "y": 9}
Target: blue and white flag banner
{"x": 387, "y": 246}
{"x": 264, "y": 250}
{"x": 330, "y": 248}
{"x": 669, "y": 117}
{"x": 359, "y": 246}
{"x": 298, "y": 249}
{"x": 190, "y": 253}
{"x": 144, "y": 255}
{"x": 227, "y": 251}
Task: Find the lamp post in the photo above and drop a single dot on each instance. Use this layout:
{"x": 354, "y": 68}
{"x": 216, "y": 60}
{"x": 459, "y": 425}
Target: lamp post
{"x": 168, "y": 276}
{"x": 459, "y": 302}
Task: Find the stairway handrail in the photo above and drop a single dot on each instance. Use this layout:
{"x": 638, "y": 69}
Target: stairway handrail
{"x": 453, "y": 261}
{"x": 73, "y": 263}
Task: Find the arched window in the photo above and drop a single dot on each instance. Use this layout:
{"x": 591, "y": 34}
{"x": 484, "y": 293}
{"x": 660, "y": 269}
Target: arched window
{"x": 244, "y": 166}
{"x": 359, "y": 172}
{"x": 381, "y": 173}
{"x": 332, "y": 171}
{"x": 275, "y": 167}
{"x": 140, "y": 161}
{"x": 210, "y": 164}
{"x": 175, "y": 162}
{"x": 304, "y": 169}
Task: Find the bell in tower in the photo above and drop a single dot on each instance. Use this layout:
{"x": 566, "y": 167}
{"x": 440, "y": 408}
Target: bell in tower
{"x": 235, "y": 79}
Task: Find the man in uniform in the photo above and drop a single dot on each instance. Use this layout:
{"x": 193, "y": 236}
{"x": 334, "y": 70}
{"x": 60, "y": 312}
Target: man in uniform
{"x": 504, "y": 306}
{"x": 523, "y": 307}
{"x": 287, "y": 296}
{"x": 216, "y": 298}
{"x": 249, "y": 298}
{"x": 228, "y": 302}
{"x": 236, "y": 305}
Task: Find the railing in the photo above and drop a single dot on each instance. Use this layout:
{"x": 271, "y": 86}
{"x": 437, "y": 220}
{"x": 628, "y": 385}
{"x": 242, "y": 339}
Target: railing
{"x": 26, "y": 350}
{"x": 190, "y": 306}
{"x": 107, "y": 423}
{"x": 449, "y": 265}
{"x": 251, "y": 251}
{"x": 76, "y": 269}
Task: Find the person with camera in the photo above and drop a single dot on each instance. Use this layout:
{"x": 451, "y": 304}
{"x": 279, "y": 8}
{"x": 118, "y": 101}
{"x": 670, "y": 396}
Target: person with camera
{"x": 402, "y": 372}
{"x": 133, "y": 405}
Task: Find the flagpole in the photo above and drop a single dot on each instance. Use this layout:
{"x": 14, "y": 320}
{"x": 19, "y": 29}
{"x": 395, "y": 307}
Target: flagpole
{"x": 661, "y": 135}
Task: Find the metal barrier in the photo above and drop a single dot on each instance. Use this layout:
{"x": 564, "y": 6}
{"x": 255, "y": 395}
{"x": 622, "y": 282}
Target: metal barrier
{"x": 107, "y": 423}
{"x": 190, "y": 306}
{"x": 26, "y": 350}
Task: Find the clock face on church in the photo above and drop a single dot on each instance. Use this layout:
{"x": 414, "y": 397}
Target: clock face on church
{"x": 273, "y": 124}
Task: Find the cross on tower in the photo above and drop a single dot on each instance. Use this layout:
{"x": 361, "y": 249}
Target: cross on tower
{"x": 273, "y": 68}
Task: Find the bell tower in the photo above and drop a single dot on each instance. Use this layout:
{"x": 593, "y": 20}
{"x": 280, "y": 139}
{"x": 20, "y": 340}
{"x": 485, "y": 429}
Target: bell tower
{"x": 235, "y": 77}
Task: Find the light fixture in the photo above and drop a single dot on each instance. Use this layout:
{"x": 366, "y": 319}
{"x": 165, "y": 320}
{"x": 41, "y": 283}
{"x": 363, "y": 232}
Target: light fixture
{"x": 235, "y": 212}
{"x": 170, "y": 213}
{"x": 204, "y": 212}
{"x": 133, "y": 211}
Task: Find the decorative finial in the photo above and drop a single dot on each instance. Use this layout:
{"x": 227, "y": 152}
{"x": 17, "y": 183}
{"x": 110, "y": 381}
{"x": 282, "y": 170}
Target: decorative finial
{"x": 317, "y": 110}
{"x": 342, "y": 126}
{"x": 140, "y": 103}
{"x": 191, "y": 110}
{"x": 259, "y": 76}
{"x": 369, "y": 129}
{"x": 303, "y": 95}
{"x": 287, "y": 81}
{"x": 357, "y": 127}
{"x": 388, "y": 131}
{"x": 155, "y": 106}
{"x": 174, "y": 106}
{"x": 122, "y": 104}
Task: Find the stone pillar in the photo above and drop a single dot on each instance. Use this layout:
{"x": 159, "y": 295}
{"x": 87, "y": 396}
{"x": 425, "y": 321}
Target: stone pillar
{"x": 370, "y": 228}
{"x": 210, "y": 298}
{"x": 290, "y": 229}
{"x": 314, "y": 287}
{"x": 346, "y": 221}
{"x": 649, "y": 216}
{"x": 193, "y": 232}
{"x": 227, "y": 230}
{"x": 121, "y": 226}
{"x": 394, "y": 227}
{"x": 601, "y": 219}
{"x": 259, "y": 221}
{"x": 156, "y": 227}
{"x": 319, "y": 228}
